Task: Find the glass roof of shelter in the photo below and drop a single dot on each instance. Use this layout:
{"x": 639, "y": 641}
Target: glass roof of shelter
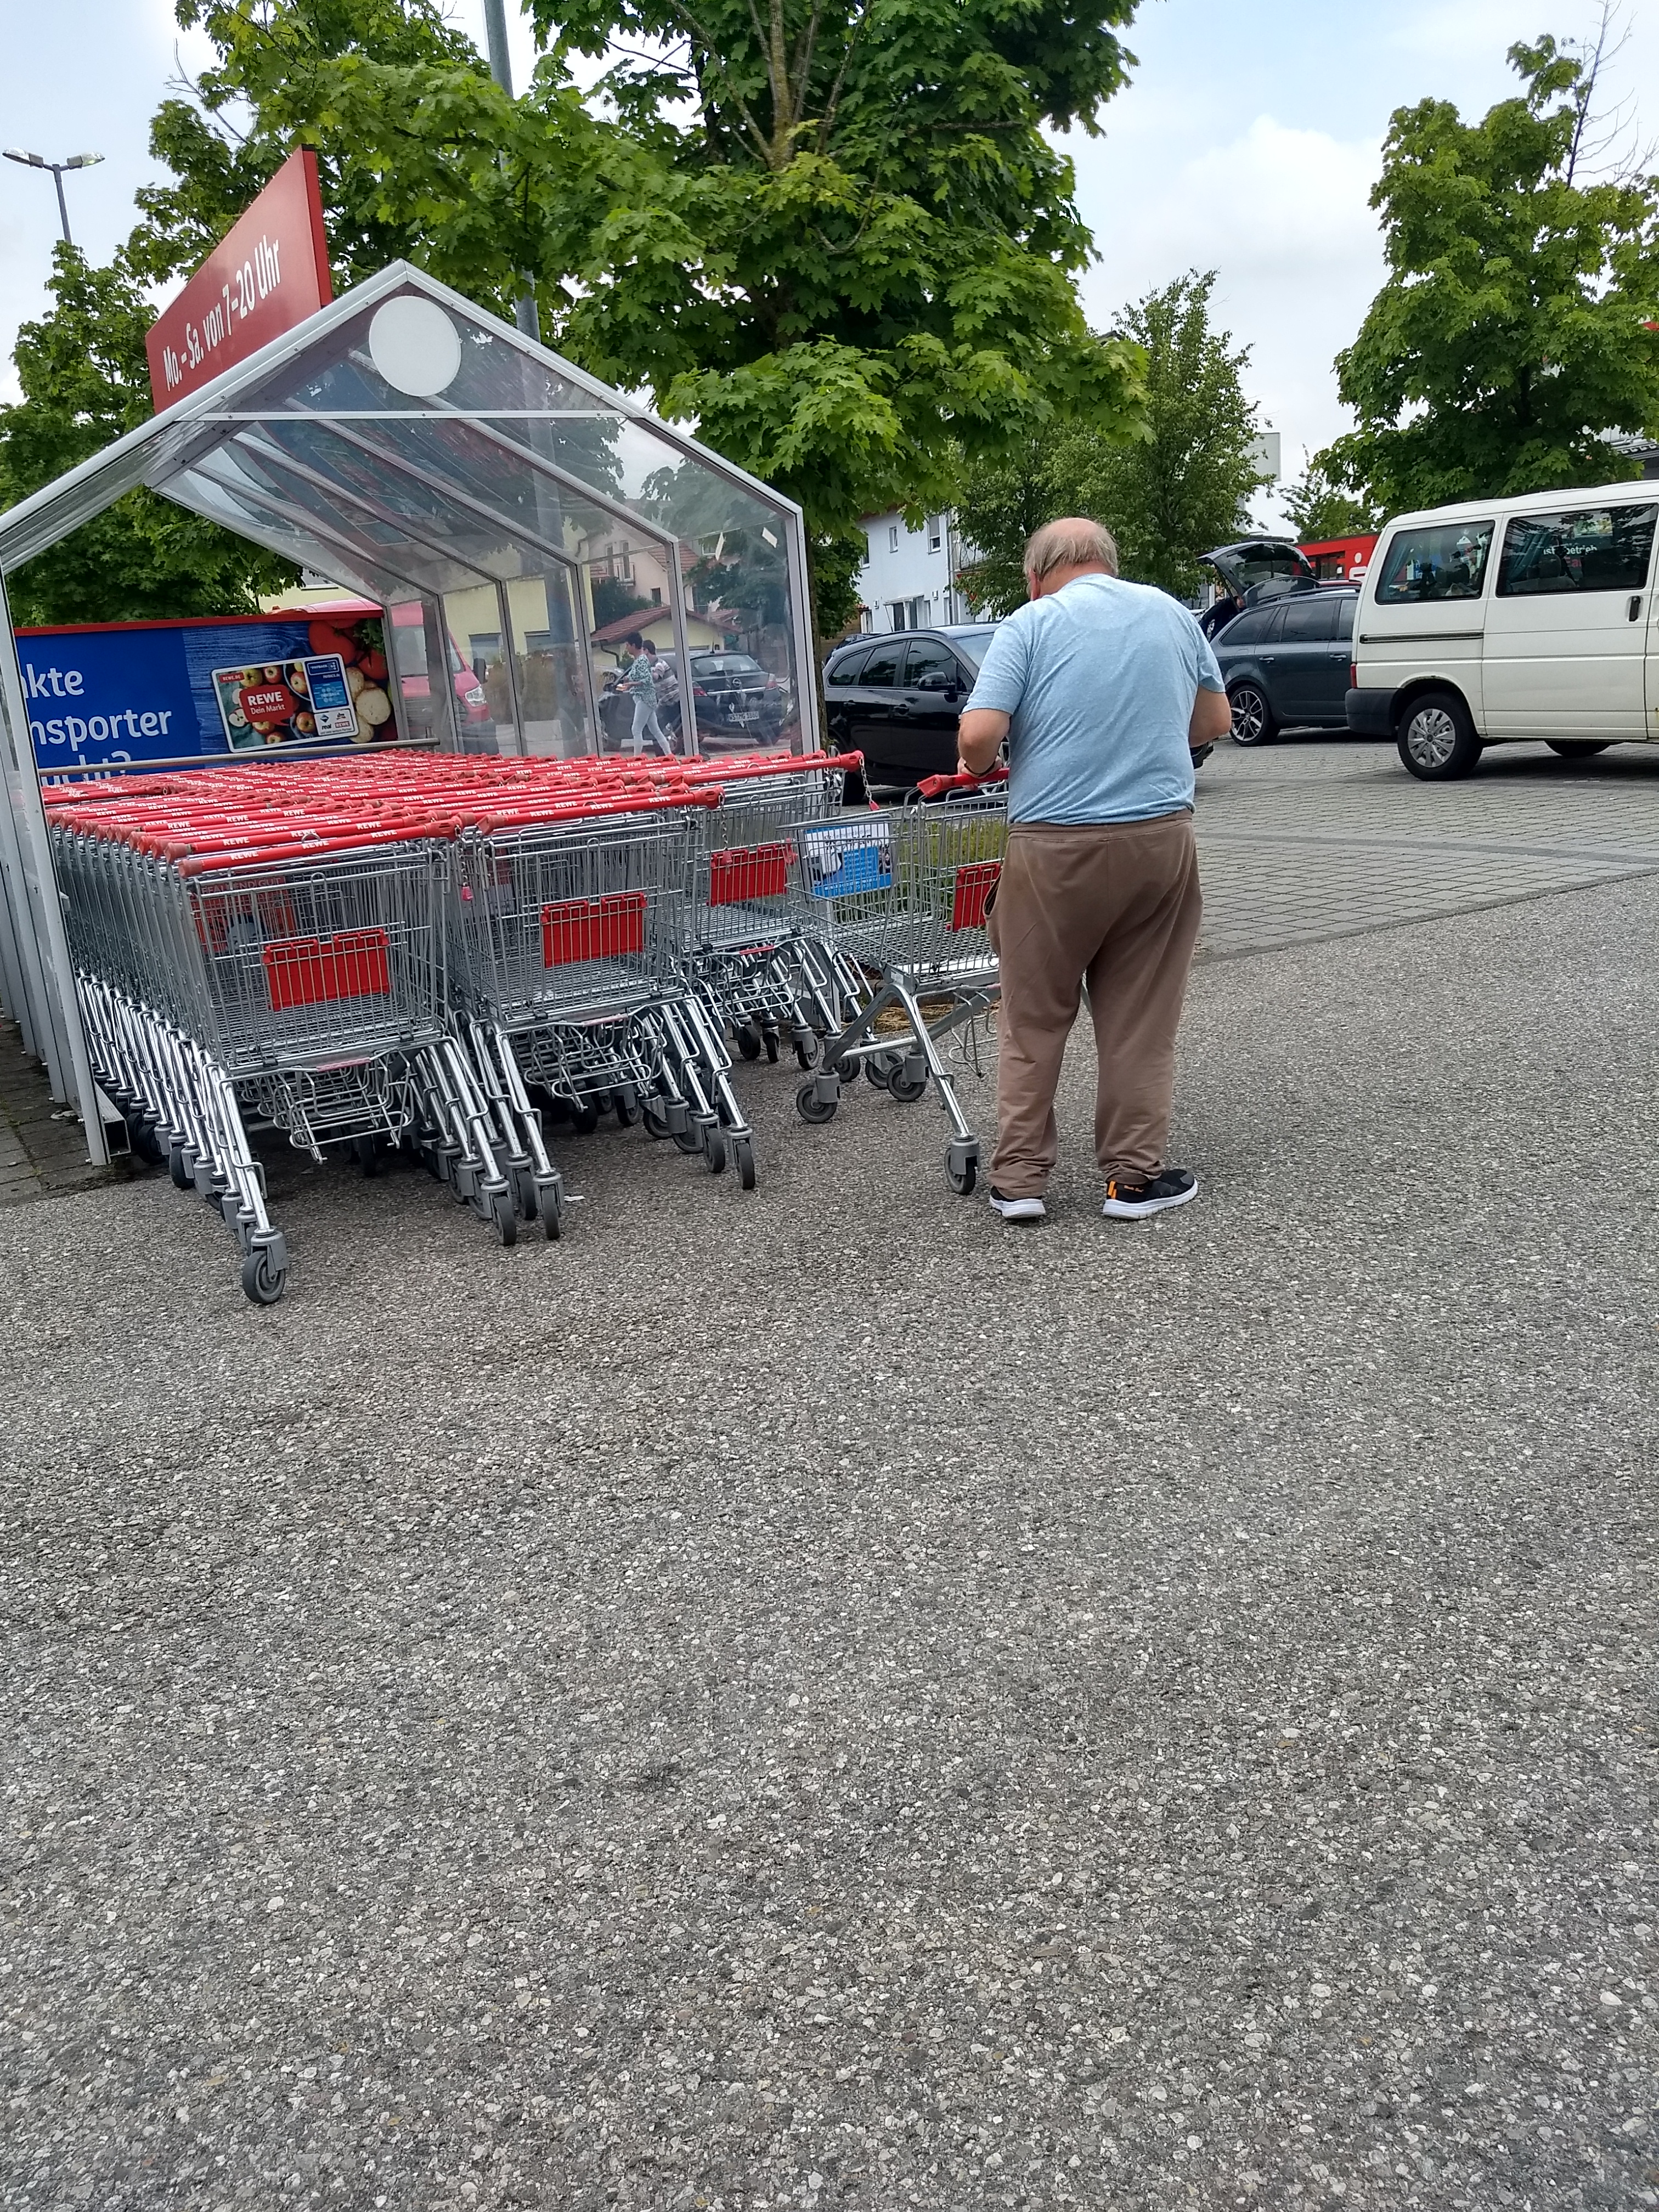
{"x": 403, "y": 440}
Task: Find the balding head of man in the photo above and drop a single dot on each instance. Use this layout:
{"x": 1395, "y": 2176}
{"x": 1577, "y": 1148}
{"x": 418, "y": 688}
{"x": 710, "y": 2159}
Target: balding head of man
{"x": 1061, "y": 551}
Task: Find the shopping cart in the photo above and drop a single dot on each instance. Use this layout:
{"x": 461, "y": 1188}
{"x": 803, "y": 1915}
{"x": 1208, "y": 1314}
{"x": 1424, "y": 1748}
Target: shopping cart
{"x": 749, "y": 947}
{"x": 232, "y": 958}
{"x": 905, "y": 893}
{"x": 568, "y": 924}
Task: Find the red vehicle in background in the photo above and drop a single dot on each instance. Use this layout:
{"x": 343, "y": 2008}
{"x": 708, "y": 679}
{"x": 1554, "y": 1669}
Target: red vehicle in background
{"x": 408, "y": 638}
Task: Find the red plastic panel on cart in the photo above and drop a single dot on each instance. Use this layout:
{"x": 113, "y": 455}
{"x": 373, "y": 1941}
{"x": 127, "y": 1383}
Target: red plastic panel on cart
{"x": 306, "y": 971}
{"x": 975, "y": 883}
{"x": 592, "y": 928}
{"x": 758, "y": 872}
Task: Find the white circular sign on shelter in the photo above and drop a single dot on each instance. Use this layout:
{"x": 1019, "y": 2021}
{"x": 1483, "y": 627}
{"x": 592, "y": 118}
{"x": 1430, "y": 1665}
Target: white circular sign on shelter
{"x": 415, "y": 346}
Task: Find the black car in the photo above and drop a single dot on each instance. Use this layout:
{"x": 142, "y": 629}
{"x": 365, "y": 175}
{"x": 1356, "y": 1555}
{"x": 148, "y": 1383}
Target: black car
{"x": 740, "y": 707}
{"x": 739, "y": 704}
{"x": 1286, "y": 664}
{"x": 896, "y": 698}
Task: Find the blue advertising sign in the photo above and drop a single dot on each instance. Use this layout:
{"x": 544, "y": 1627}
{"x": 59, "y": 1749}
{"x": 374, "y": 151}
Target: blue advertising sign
{"x": 132, "y": 692}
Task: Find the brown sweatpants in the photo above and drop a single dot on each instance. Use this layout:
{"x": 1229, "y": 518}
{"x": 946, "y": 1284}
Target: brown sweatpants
{"x": 1115, "y": 903}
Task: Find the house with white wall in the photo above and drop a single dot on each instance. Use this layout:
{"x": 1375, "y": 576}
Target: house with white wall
{"x": 908, "y": 577}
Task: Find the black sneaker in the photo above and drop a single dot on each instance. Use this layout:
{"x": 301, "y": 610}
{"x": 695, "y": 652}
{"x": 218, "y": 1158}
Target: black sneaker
{"x": 1017, "y": 1209}
{"x": 1130, "y": 1201}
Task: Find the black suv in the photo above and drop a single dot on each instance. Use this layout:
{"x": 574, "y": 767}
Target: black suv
{"x": 1285, "y": 663}
{"x": 896, "y": 698}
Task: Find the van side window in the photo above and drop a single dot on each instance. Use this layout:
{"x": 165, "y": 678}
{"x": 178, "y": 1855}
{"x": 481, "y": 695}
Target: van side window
{"x": 1447, "y": 561}
{"x": 1597, "y": 549}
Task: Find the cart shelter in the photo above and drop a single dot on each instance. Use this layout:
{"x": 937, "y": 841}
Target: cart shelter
{"x": 405, "y": 444}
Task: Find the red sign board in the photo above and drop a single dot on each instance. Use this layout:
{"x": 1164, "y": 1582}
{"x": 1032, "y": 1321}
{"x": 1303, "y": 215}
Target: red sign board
{"x": 269, "y": 273}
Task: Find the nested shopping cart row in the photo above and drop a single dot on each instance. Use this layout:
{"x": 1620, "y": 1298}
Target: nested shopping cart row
{"x": 360, "y": 957}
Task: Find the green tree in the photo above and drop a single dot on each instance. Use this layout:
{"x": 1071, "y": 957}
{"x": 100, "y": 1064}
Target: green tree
{"x": 613, "y": 599}
{"x": 85, "y": 383}
{"x": 1169, "y": 486}
{"x": 82, "y": 367}
{"x": 1319, "y": 507}
{"x": 832, "y": 233}
{"x": 1519, "y": 322}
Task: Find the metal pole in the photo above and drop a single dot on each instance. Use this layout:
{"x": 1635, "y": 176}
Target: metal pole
{"x": 63, "y": 204}
{"x": 501, "y": 68}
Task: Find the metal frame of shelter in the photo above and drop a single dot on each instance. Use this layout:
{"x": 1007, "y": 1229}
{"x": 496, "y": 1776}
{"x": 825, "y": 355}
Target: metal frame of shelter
{"x": 412, "y": 448}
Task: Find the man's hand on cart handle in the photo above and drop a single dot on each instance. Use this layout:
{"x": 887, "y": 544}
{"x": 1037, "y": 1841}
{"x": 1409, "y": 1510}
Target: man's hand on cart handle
{"x": 935, "y": 787}
{"x": 980, "y": 734}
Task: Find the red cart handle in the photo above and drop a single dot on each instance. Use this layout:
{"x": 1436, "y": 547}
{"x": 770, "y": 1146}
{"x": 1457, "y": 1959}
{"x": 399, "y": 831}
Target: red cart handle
{"x": 932, "y": 787}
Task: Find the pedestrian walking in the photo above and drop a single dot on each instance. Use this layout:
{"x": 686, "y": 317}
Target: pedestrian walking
{"x": 641, "y": 683}
{"x": 1102, "y": 690}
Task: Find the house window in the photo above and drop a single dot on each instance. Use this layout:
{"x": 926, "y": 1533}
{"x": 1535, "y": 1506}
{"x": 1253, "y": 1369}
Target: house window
{"x": 656, "y": 595}
{"x": 899, "y": 611}
{"x": 935, "y": 533}
{"x": 892, "y": 537}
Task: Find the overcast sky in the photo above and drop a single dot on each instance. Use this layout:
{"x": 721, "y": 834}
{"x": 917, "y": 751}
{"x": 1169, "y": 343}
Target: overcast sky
{"x": 1248, "y": 142}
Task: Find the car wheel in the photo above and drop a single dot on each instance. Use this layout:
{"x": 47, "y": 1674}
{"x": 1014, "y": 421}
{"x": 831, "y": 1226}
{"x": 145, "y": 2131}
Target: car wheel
{"x": 1253, "y": 717}
{"x": 1577, "y": 748}
{"x": 1435, "y": 737}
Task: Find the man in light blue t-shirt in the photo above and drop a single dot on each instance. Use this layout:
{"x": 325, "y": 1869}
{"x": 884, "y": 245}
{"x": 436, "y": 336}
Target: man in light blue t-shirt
{"x": 1103, "y": 689}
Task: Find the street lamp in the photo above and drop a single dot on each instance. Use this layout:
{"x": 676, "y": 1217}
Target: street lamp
{"x": 39, "y": 161}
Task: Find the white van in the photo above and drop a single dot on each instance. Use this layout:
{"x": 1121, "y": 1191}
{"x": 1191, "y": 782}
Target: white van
{"x": 1504, "y": 620}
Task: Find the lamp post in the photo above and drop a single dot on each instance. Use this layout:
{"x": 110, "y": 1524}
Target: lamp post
{"x": 39, "y": 161}
{"x": 501, "y": 68}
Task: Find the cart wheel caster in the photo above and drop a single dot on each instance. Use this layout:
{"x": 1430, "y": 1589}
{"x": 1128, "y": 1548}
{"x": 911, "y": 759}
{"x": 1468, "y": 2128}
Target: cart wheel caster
{"x": 811, "y": 1106}
{"x": 769, "y": 1036}
{"x": 655, "y": 1122}
{"x": 144, "y": 1141}
{"x": 879, "y": 1070}
{"x": 807, "y": 1048}
{"x": 366, "y": 1153}
{"x": 714, "y": 1149}
{"x": 551, "y": 1205}
{"x": 908, "y": 1081}
{"x": 264, "y": 1280}
{"x": 748, "y": 1045}
{"x": 526, "y": 1192}
{"x": 584, "y": 1120}
{"x": 505, "y": 1214}
{"x": 627, "y": 1111}
{"x": 179, "y": 1168}
{"x": 743, "y": 1158}
{"x": 962, "y": 1169}
{"x": 690, "y": 1139}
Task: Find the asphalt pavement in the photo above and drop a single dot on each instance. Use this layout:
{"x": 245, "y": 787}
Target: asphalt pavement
{"x": 818, "y": 1699}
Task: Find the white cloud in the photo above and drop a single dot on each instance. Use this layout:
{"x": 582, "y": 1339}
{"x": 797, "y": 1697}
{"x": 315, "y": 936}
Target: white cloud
{"x": 1282, "y": 216}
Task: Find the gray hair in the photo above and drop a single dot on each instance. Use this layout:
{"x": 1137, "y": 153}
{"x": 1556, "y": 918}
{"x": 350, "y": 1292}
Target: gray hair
{"x": 1073, "y": 542}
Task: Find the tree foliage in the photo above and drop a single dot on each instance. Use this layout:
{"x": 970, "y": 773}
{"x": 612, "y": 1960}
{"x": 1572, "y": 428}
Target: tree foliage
{"x": 85, "y": 384}
{"x": 831, "y": 232}
{"x": 1168, "y": 493}
{"x": 1319, "y": 507}
{"x": 1519, "y": 322}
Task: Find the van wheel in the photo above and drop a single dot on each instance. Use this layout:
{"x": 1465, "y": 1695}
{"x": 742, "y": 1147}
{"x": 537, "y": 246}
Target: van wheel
{"x": 1253, "y": 718}
{"x": 1577, "y": 748}
{"x": 1435, "y": 737}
